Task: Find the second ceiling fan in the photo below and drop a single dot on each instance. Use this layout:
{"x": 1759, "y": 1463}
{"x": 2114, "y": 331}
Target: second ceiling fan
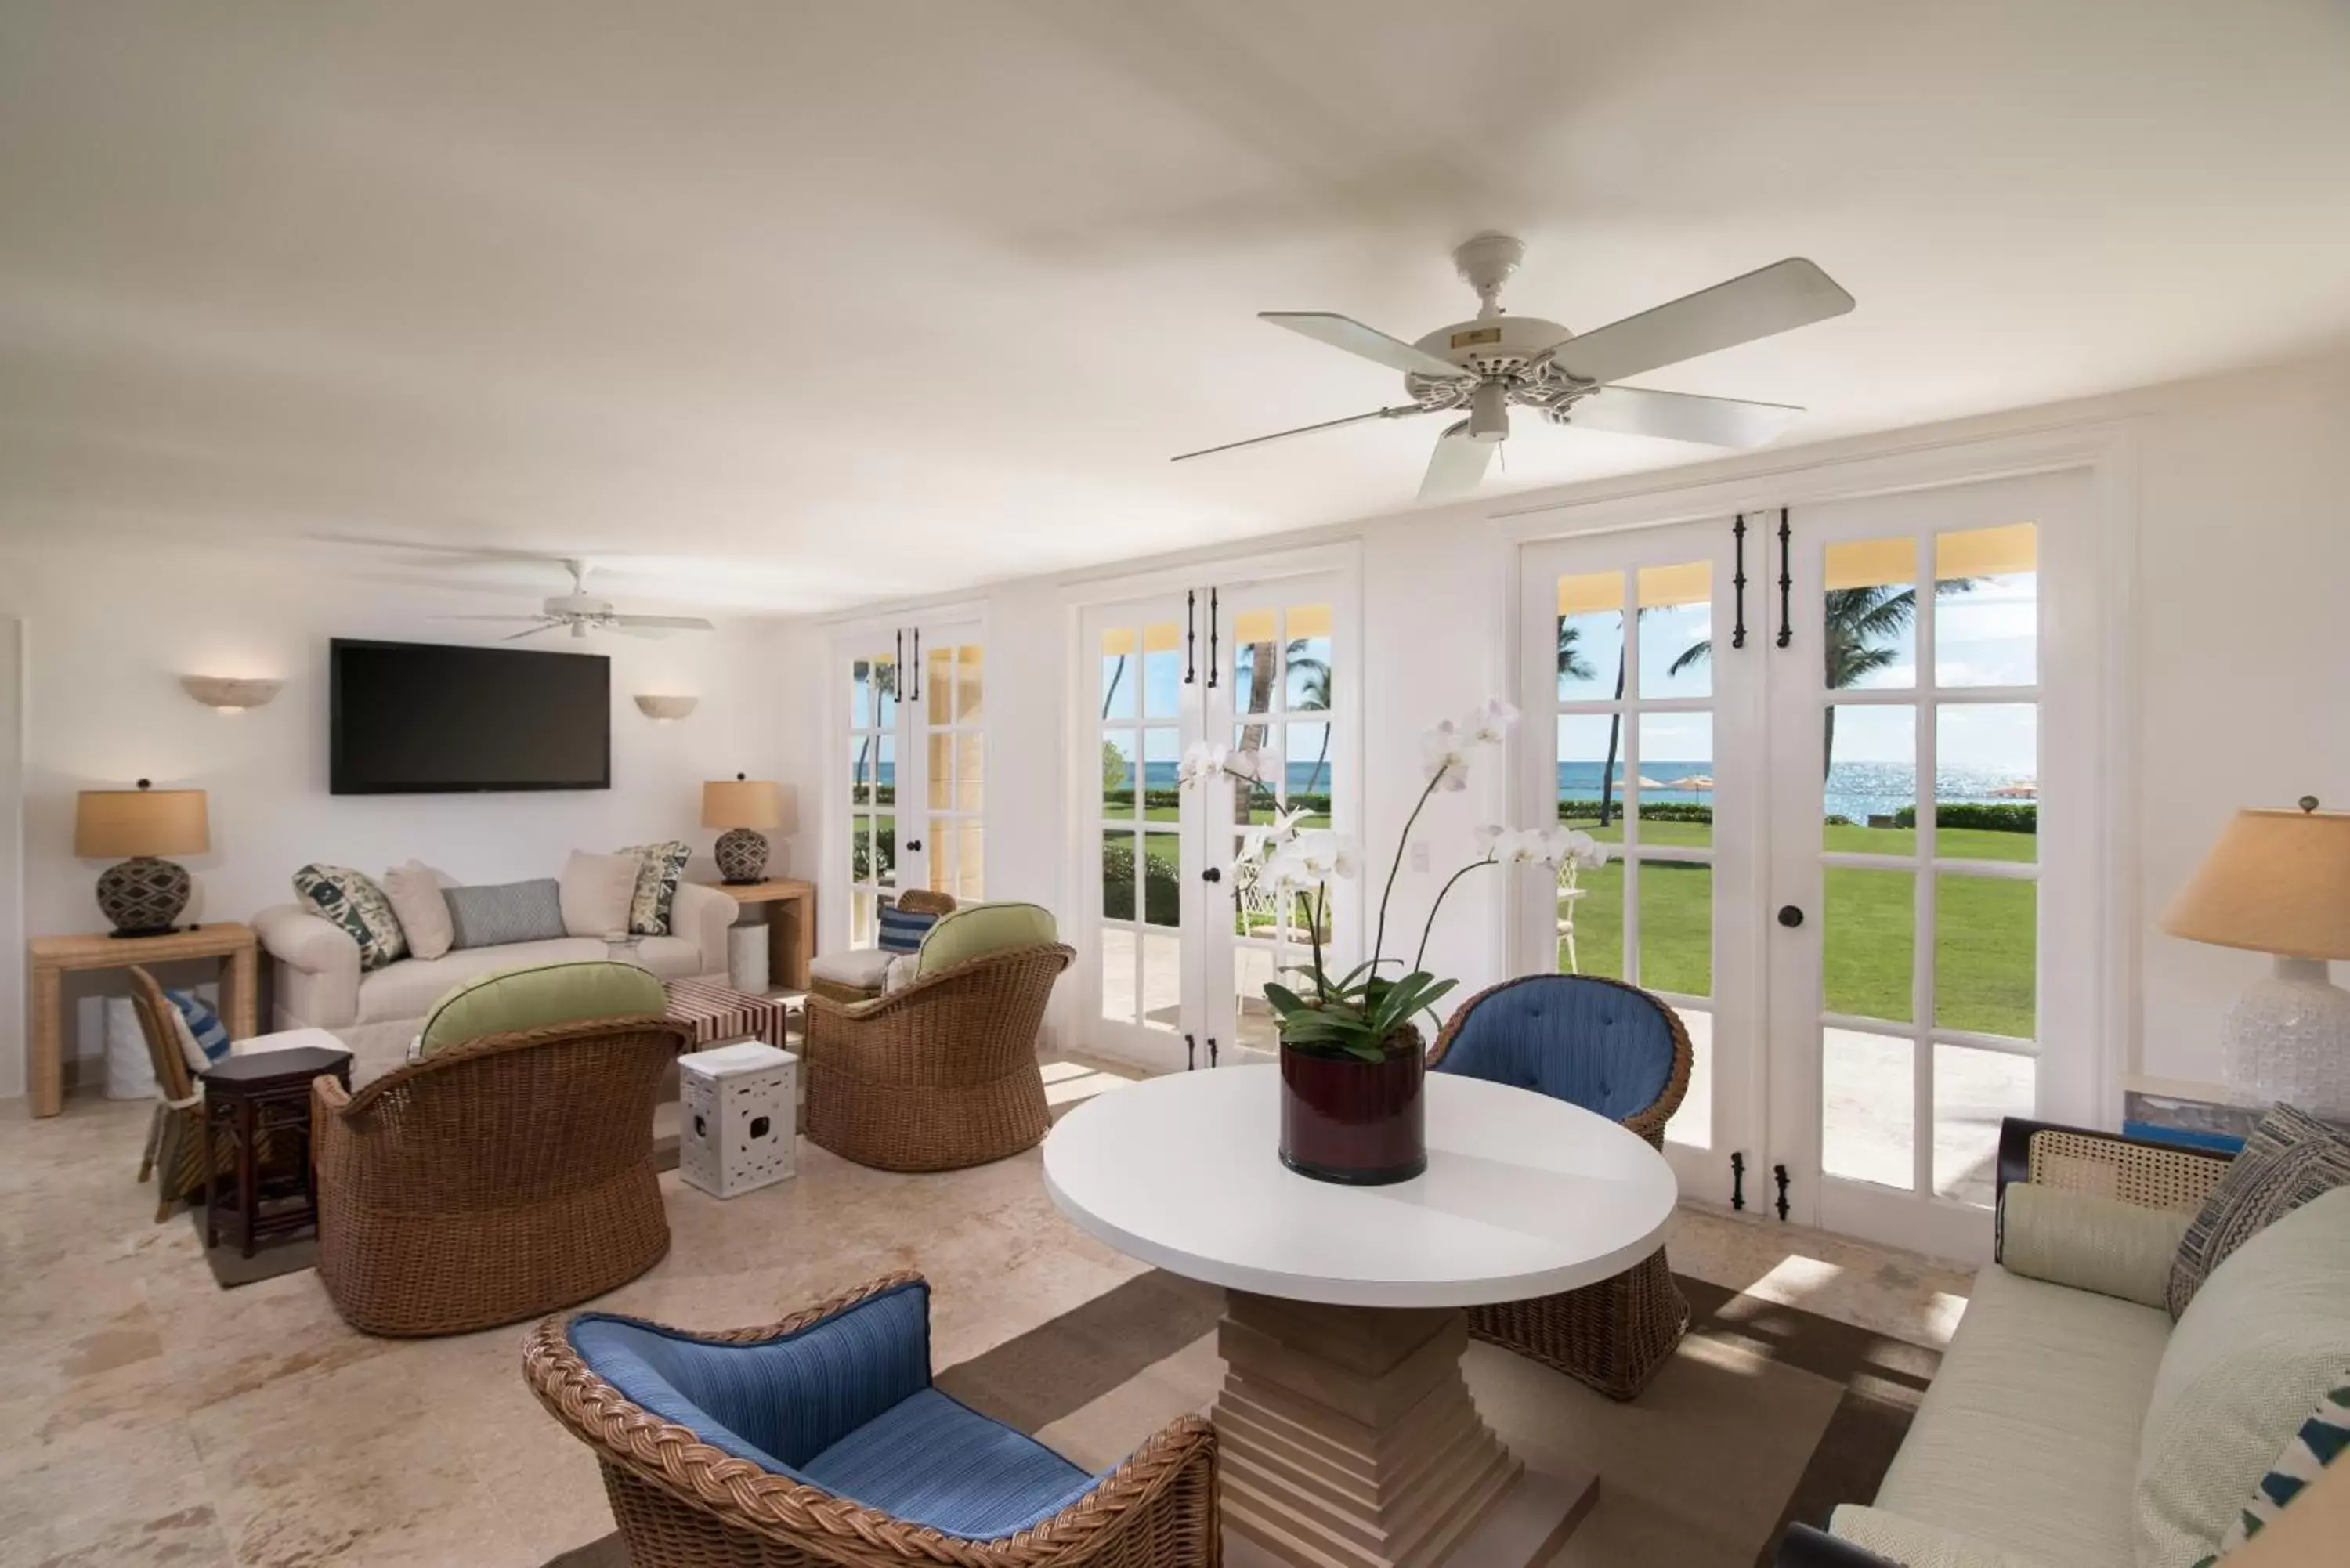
{"x": 1483, "y": 367}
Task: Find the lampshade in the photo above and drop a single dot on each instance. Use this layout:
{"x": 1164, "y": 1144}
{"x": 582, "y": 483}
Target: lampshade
{"x": 2277, "y": 882}
{"x": 109, "y": 824}
{"x": 747, "y": 803}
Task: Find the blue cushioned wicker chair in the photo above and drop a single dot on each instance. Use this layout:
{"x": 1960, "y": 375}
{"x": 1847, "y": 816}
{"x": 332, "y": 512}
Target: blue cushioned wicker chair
{"x": 820, "y": 1440}
{"x": 1611, "y": 1048}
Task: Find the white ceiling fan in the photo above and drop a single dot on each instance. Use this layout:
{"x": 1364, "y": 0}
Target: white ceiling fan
{"x": 583, "y": 613}
{"x": 1483, "y": 366}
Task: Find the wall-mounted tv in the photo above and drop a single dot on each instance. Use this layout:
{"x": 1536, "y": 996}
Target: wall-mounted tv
{"x": 416, "y": 718}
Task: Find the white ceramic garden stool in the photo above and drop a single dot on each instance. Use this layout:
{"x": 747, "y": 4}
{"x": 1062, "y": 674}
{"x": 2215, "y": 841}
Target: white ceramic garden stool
{"x": 736, "y": 1121}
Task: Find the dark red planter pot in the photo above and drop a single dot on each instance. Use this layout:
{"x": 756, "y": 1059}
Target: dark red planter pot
{"x": 1362, "y": 1123}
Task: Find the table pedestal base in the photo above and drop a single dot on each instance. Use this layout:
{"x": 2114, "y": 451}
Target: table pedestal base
{"x": 1348, "y": 1439}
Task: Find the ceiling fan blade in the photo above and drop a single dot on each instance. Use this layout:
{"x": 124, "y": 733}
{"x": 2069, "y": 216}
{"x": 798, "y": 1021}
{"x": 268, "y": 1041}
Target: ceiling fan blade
{"x": 1344, "y": 332}
{"x": 533, "y": 631}
{"x": 1394, "y": 413}
{"x": 1680, "y": 416}
{"x": 1458, "y": 464}
{"x": 509, "y": 619}
{"x": 660, "y": 623}
{"x": 1777, "y": 298}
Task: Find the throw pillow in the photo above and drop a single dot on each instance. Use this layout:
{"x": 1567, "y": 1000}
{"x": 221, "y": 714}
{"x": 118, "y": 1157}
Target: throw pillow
{"x": 598, "y": 890}
{"x": 662, "y": 868}
{"x": 505, "y": 913}
{"x": 204, "y": 1038}
{"x": 2290, "y": 1159}
{"x": 903, "y": 971}
{"x": 2263, "y": 1338}
{"x": 414, "y": 893}
{"x": 902, "y": 930}
{"x": 350, "y": 900}
{"x": 2317, "y": 1444}
{"x": 2089, "y": 1241}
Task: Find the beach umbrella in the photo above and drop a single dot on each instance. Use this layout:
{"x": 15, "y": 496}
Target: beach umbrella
{"x": 1648, "y": 782}
{"x": 2022, "y": 789}
{"x": 1692, "y": 782}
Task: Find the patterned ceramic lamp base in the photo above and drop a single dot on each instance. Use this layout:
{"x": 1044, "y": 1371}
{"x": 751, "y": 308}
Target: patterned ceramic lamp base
{"x": 143, "y": 895}
{"x": 742, "y": 856}
{"x": 2287, "y": 1040}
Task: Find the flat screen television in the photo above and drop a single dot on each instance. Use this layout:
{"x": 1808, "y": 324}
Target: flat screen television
{"x": 417, "y": 718}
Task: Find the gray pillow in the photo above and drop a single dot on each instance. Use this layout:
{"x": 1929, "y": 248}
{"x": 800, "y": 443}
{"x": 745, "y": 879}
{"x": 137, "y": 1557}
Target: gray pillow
{"x": 506, "y": 912}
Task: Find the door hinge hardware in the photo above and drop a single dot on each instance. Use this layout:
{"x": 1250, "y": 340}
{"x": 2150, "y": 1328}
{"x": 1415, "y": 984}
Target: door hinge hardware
{"x": 1786, "y": 583}
{"x": 1190, "y": 636}
{"x": 1190, "y": 1053}
{"x": 1738, "y": 1179}
{"x": 1737, "y": 581}
{"x": 1779, "y": 1175}
{"x": 1211, "y": 1050}
{"x": 1212, "y": 655}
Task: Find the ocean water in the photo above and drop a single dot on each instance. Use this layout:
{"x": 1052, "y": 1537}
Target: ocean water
{"x": 1856, "y": 790}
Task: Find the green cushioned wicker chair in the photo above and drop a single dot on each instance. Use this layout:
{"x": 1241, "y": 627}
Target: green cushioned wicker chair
{"x": 941, "y": 1074}
{"x": 506, "y": 1174}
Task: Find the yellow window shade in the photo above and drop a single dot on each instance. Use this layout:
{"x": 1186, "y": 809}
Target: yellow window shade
{"x": 1160, "y": 636}
{"x": 1872, "y": 563}
{"x": 1689, "y": 583}
{"x": 1253, "y": 626}
{"x": 1590, "y": 592}
{"x": 1309, "y": 620}
{"x": 1119, "y": 644}
{"x": 1987, "y": 552}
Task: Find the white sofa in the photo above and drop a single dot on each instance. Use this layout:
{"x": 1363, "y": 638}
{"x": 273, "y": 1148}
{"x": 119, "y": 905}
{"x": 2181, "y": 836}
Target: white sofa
{"x": 2028, "y": 1449}
{"x": 316, "y": 968}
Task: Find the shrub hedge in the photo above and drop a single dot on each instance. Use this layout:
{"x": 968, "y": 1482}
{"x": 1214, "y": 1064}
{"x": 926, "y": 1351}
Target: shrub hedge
{"x": 1992, "y": 816}
{"x": 1162, "y": 896}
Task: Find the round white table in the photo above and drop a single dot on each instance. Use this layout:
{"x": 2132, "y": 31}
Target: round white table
{"x": 1348, "y": 1434}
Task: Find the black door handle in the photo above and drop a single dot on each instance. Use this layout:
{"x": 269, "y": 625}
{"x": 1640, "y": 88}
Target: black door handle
{"x": 913, "y": 844}
{"x": 1211, "y": 875}
{"x": 1789, "y": 916}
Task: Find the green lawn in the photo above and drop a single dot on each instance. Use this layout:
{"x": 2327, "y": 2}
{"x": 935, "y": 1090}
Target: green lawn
{"x": 1984, "y": 942}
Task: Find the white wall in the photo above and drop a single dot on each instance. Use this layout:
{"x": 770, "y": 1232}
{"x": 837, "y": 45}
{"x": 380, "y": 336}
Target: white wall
{"x": 109, "y": 638}
{"x": 2234, "y": 556}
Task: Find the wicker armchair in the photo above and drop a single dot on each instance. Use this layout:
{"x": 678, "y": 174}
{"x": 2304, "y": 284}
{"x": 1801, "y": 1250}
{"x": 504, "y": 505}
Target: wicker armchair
{"x": 753, "y": 1431}
{"x": 495, "y": 1181}
{"x": 1608, "y": 1047}
{"x": 857, "y": 976}
{"x": 938, "y": 1075}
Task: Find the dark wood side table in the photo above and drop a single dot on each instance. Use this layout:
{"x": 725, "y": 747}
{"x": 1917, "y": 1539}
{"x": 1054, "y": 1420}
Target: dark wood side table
{"x": 264, "y": 1098}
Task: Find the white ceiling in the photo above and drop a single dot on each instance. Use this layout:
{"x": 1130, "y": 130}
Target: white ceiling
{"x": 824, "y": 304}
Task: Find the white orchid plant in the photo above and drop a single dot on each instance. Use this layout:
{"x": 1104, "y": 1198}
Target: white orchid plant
{"x": 1357, "y": 1013}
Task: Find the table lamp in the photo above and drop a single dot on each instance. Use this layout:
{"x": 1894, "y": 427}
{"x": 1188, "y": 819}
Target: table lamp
{"x": 2278, "y": 882}
{"x": 743, "y": 806}
{"x": 141, "y": 895}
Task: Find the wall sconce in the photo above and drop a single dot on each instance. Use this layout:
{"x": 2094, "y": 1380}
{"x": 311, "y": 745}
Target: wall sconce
{"x": 226, "y": 695}
{"x": 662, "y": 709}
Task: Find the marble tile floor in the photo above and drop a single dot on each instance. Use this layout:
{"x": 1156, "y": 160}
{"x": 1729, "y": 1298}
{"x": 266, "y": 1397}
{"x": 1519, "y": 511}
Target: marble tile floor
{"x": 148, "y": 1416}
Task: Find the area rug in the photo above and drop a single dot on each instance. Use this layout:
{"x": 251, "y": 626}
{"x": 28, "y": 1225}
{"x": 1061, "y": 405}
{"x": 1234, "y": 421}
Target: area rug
{"x": 1767, "y": 1414}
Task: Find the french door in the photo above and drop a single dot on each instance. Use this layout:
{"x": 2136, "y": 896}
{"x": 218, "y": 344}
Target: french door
{"x": 1643, "y": 699}
{"x": 916, "y": 803}
{"x": 1845, "y": 807}
{"x": 1178, "y": 943}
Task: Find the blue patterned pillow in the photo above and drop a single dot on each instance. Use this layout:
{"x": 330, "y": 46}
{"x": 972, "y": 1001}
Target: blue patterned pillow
{"x": 2317, "y": 1444}
{"x": 351, "y": 900}
{"x": 2290, "y": 1159}
{"x": 661, "y": 867}
{"x": 902, "y": 930}
{"x": 204, "y": 1038}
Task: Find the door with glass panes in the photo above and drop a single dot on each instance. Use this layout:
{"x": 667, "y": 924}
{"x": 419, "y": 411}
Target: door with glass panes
{"x": 917, "y": 761}
{"x": 1641, "y": 699}
{"x": 1930, "y": 750}
{"x": 1842, "y": 809}
{"x": 1179, "y": 942}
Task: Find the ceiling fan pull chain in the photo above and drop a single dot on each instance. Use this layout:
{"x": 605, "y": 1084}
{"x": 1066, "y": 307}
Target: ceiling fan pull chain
{"x": 1787, "y": 582}
{"x": 1212, "y": 656}
{"x": 1190, "y": 635}
{"x": 1737, "y": 581}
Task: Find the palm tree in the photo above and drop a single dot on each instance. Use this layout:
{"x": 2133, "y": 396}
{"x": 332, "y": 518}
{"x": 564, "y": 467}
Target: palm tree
{"x": 1572, "y": 664}
{"x": 884, "y": 682}
{"x": 1861, "y": 625}
{"x": 1310, "y": 690}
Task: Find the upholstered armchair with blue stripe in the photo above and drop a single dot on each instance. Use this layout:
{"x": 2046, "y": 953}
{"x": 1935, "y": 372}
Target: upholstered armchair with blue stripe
{"x": 820, "y": 1440}
{"x": 1611, "y": 1048}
